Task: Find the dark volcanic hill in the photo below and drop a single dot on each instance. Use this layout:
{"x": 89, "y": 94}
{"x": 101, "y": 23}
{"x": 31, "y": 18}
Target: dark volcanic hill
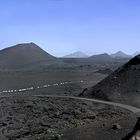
{"x": 22, "y": 55}
{"x": 123, "y": 85}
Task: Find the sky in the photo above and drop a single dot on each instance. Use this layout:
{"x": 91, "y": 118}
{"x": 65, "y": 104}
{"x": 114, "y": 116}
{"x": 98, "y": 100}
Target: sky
{"x": 64, "y": 26}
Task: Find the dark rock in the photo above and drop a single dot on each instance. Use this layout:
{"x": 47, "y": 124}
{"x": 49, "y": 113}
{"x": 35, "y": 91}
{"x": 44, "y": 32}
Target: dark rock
{"x": 116, "y": 127}
{"x": 137, "y": 90}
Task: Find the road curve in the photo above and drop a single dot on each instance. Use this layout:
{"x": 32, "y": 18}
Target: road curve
{"x": 15, "y": 91}
{"x": 124, "y": 106}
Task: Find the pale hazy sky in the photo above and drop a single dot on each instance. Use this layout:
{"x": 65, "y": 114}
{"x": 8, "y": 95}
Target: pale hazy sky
{"x": 64, "y": 26}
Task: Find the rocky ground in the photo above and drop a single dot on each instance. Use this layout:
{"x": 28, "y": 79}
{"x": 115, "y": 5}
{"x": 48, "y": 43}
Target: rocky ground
{"x": 43, "y": 118}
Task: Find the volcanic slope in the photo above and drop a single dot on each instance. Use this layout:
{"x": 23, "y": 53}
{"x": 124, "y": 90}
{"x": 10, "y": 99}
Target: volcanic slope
{"x": 23, "y": 55}
{"x": 123, "y": 85}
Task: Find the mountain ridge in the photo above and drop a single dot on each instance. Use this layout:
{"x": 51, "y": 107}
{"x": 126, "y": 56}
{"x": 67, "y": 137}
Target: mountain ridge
{"x": 120, "y": 54}
{"x": 21, "y": 55}
{"x": 77, "y": 54}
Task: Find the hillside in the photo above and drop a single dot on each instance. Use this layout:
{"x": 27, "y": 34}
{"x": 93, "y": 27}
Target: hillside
{"x": 22, "y": 55}
{"x": 123, "y": 85}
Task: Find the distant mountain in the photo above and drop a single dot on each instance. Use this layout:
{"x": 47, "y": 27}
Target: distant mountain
{"x": 136, "y": 53}
{"x": 123, "y": 85}
{"x": 77, "y": 54}
{"x": 101, "y": 57}
{"x": 22, "y": 55}
{"x": 120, "y": 54}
